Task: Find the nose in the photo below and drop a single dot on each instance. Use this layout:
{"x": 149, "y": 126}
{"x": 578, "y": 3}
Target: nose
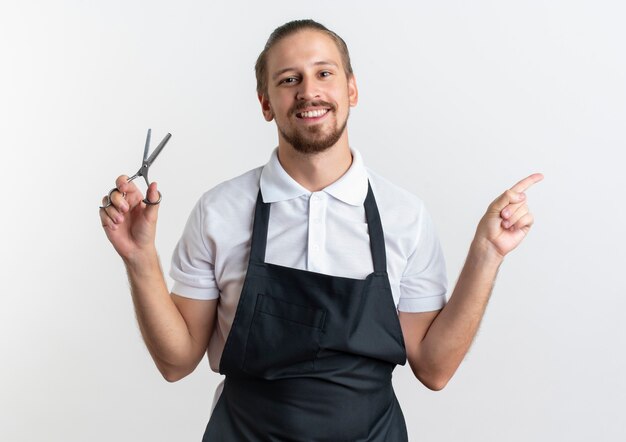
{"x": 308, "y": 89}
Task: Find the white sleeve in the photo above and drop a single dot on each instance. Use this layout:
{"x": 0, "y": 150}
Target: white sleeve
{"x": 193, "y": 260}
{"x": 423, "y": 284}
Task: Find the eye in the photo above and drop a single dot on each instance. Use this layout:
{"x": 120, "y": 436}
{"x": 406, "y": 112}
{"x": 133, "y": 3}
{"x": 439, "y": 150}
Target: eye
{"x": 325, "y": 74}
{"x": 288, "y": 80}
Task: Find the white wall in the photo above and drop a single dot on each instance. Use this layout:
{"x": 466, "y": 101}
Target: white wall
{"x": 458, "y": 100}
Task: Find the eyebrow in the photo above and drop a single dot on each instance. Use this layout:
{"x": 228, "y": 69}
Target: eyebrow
{"x": 317, "y": 63}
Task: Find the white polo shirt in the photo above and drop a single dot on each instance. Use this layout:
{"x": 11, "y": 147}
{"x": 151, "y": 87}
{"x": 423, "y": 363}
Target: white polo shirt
{"x": 324, "y": 232}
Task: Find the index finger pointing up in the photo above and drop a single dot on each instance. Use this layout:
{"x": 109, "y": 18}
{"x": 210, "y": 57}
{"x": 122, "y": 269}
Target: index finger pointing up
{"x": 524, "y": 184}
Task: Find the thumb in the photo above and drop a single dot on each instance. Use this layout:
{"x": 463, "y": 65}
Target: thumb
{"x": 507, "y": 198}
{"x": 152, "y": 195}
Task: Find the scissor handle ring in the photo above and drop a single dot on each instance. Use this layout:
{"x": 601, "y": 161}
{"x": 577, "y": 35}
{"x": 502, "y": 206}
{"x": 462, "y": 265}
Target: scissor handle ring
{"x": 150, "y": 203}
{"x": 108, "y": 197}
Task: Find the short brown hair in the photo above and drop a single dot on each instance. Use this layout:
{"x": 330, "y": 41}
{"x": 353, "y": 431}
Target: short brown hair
{"x": 286, "y": 30}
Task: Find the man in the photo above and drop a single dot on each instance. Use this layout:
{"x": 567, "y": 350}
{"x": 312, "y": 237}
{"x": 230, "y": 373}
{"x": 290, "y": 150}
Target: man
{"x": 307, "y": 311}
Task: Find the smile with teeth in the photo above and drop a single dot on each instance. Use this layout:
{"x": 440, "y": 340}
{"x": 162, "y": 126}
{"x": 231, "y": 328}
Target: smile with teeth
{"x": 312, "y": 114}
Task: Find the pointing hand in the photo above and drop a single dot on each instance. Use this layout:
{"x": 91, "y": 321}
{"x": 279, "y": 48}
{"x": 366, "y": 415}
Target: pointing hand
{"x": 508, "y": 219}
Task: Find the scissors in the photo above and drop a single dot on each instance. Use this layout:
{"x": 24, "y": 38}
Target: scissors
{"x": 143, "y": 170}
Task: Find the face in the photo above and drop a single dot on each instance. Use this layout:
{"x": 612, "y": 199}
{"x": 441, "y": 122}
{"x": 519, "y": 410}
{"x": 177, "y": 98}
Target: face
{"x": 308, "y": 93}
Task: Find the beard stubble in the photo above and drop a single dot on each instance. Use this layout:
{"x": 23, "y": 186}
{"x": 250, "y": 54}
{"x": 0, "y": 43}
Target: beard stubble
{"x": 311, "y": 140}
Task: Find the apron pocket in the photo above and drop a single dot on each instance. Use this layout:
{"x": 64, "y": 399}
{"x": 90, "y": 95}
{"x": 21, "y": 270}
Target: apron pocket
{"x": 283, "y": 338}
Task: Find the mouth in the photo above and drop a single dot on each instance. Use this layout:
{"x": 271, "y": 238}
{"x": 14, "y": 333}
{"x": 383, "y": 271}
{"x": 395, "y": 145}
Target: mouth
{"x": 312, "y": 111}
{"x": 312, "y": 114}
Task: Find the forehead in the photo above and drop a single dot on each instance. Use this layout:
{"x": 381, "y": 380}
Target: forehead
{"x": 304, "y": 48}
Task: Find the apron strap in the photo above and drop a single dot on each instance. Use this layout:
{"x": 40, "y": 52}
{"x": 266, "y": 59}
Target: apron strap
{"x": 259, "y": 231}
{"x": 375, "y": 228}
{"x": 374, "y": 225}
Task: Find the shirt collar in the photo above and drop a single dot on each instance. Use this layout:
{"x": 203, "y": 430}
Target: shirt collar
{"x": 277, "y": 185}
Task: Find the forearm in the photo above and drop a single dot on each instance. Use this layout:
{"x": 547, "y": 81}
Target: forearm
{"x": 161, "y": 324}
{"x": 437, "y": 343}
{"x": 450, "y": 335}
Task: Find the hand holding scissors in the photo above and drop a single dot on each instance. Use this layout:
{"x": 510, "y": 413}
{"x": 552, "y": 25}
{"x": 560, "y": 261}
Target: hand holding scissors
{"x": 129, "y": 218}
{"x": 143, "y": 170}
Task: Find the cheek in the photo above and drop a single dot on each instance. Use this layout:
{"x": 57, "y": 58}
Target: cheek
{"x": 280, "y": 106}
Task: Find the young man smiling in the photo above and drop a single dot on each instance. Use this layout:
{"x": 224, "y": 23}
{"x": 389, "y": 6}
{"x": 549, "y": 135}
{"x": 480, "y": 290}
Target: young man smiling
{"x": 307, "y": 280}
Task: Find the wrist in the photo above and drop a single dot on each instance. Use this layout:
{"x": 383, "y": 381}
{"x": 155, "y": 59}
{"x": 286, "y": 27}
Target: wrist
{"x": 484, "y": 253}
{"x": 141, "y": 260}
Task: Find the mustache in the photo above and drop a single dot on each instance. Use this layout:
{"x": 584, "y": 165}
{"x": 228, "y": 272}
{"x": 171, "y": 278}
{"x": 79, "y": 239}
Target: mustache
{"x": 305, "y": 104}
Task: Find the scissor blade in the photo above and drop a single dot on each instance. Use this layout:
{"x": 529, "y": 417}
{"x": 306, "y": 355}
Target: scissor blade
{"x": 145, "y": 150}
{"x": 159, "y": 148}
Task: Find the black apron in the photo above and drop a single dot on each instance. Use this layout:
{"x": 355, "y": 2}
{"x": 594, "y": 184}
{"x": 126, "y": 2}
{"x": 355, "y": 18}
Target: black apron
{"x": 309, "y": 356}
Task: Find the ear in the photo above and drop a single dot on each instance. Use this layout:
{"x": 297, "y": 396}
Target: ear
{"x": 353, "y": 92}
{"x": 266, "y": 108}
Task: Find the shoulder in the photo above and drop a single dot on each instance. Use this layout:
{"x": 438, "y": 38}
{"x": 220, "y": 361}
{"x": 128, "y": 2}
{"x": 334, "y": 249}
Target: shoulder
{"x": 408, "y": 228}
{"x": 394, "y": 201}
{"x": 233, "y": 196}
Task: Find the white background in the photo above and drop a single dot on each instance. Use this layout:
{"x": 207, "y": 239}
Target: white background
{"x": 458, "y": 100}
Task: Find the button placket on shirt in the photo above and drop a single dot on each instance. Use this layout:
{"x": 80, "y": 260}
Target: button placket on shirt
{"x": 317, "y": 231}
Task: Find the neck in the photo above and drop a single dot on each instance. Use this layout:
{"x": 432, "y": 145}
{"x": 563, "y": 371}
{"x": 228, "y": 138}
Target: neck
{"x": 314, "y": 172}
